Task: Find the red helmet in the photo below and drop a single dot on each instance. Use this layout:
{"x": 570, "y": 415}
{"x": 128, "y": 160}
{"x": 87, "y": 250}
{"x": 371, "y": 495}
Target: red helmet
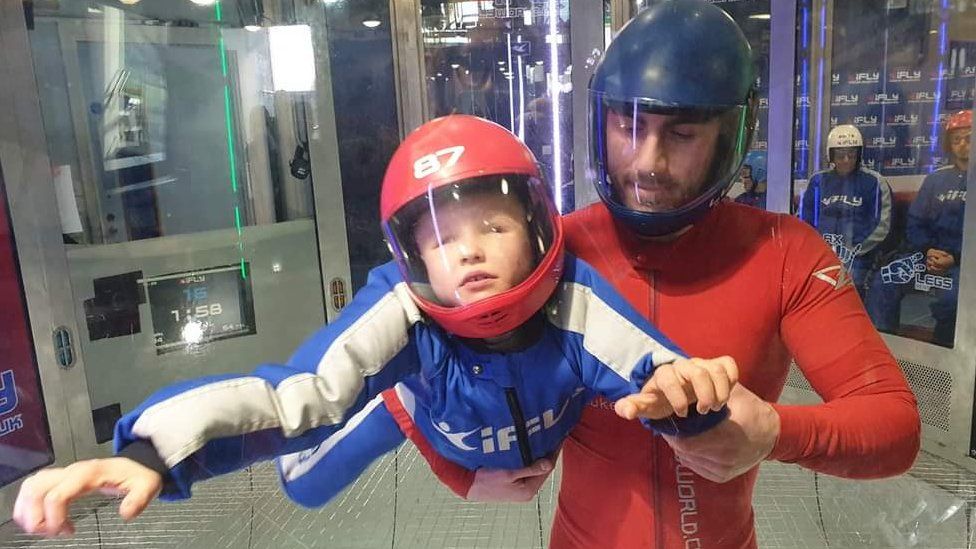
{"x": 959, "y": 120}
{"x": 472, "y": 226}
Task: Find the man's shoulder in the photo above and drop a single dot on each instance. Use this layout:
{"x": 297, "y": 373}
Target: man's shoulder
{"x": 737, "y": 219}
{"x": 594, "y": 214}
{"x": 588, "y": 229}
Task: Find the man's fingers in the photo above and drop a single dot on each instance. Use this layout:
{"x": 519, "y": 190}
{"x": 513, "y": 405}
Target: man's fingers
{"x": 539, "y": 467}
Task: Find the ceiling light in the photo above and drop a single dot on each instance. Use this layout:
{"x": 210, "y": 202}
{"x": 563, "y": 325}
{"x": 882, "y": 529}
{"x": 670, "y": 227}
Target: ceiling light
{"x": 371, "y": 23}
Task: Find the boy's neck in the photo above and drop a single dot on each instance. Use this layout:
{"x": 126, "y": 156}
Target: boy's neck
{"x": 518, "y": 339}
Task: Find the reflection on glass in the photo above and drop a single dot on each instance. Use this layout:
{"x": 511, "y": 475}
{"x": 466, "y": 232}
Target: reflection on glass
{"x": 752, "y": 179}
{"x": 144, "y": 91}
{"x": 899, "y": 75}
{"x": 182, "y": 136}
{"x": 510, "y": 64}
{"x": 367, "y": 122}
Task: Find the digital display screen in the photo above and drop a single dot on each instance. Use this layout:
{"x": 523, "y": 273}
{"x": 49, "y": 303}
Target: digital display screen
{"x": 194, "y": 307}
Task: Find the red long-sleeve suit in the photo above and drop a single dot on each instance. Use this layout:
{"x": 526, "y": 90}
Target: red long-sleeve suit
{"x": 762, "y": 288}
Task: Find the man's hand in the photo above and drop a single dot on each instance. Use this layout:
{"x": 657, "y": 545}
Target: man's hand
{"x": 518, "y": 485}
{"x": 938, "y": 261}
{"x": 674, "y": 387}
{"x": 42, "y": 504}
{"x": 734, "y": 446}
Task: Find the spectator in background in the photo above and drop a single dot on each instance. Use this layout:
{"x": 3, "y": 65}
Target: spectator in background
{"x": 849, "y": 205}
{"x": 753, "y": 178}
{"x": 933, "y": 242}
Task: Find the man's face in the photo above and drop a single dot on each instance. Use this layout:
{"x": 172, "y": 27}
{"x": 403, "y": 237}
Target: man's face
{"x": 959, "y": 143}
{"x": 845, "y": 159}
{"x": 480, "y": 247}
{"x": 659, "y": 162}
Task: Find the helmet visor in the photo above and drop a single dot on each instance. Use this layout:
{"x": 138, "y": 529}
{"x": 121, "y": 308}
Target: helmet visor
{"x": 473, "y": 239}
{"x": 655, "y": 158}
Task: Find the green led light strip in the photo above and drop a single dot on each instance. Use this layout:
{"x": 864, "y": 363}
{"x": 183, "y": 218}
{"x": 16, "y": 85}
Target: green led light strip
{"x": 229, "y": 123}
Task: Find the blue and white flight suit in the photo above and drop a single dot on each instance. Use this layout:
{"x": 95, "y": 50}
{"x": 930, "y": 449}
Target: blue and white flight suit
{"x": 327, "y": 412}
{"x": 935, "y": 220}
{"x": 853, "y": 213}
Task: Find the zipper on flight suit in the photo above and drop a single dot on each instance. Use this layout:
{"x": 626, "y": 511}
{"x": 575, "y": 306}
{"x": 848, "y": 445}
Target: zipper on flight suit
{"x": 655, "y": 476}
{"x": 521, "y": 432}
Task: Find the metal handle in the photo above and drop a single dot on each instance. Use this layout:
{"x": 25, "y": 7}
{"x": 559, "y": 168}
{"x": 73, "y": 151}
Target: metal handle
{"x": 63, "y": 349}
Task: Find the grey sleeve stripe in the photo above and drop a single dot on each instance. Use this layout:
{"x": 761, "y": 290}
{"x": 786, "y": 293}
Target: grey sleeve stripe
{"x": 293, "y": 466}
{"x": 880, "y": 232}
{"x": 377, "y": 336}
{"x": 183, "y": 424}
{"x": 607, "y": 335}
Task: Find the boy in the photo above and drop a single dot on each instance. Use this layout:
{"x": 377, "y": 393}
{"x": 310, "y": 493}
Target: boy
{"x": 460, "y": 345}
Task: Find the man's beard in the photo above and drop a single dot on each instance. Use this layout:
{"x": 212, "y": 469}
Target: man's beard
{"x": 654, "y": 194}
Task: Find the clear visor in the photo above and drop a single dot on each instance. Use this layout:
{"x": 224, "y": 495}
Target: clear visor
{"x": 474, "y": 239}
{"x": 655, "y": 158}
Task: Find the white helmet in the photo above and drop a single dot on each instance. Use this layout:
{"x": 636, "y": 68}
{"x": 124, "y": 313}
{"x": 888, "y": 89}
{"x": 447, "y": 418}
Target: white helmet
{"x": 844, "y": 136}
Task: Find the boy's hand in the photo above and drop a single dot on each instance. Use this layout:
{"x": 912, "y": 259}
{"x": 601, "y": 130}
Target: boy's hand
{"x": 42, "y": 504}
{"x": 674, "y": 387}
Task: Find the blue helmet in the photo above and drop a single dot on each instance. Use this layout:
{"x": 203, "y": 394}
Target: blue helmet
{"x": 683, "y": 58}
{"x": 756, "y": 160}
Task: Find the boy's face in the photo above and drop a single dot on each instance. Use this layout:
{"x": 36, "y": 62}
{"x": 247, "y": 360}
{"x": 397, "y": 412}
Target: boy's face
{"x": 659, "y": 162}
{"x": 479, "y": 248}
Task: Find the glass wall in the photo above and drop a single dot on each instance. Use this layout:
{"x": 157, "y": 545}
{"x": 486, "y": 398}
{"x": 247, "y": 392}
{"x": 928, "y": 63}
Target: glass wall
{"x": 360, "y": 45}
{"x": 508, "y": 62}
{"x": 897, "y": 78}
{"x": 186, "y": 141}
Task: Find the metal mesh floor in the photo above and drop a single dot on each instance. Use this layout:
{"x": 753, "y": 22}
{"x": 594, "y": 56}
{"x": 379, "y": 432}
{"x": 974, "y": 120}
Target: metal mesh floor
{"x": 398, "y": 503}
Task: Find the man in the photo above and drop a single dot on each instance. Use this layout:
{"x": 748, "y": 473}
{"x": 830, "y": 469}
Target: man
{"x": 753, "y": 177}
{"x": 934, "y": 242}
{"x": 849, "y": 204}
{"x": 672, "y": 111}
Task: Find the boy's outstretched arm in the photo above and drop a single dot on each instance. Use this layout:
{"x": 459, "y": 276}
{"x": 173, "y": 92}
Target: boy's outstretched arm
{"x": 618, "y": 351}
{"x": 211, "y": 426}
